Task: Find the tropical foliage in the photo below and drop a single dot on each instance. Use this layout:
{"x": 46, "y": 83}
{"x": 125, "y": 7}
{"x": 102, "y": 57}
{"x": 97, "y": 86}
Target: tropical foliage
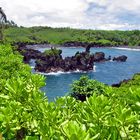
{"x": 62, "y": 35}
{"x": 25, "y": 113}
{"x": 85, "y": 87}
{"x": 53, "y": 52}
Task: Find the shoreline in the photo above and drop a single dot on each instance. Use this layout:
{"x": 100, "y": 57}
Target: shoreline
{"x": 62, "y": 72}
{"x": 36, "y": 46}
{"x": 127, "y": 48}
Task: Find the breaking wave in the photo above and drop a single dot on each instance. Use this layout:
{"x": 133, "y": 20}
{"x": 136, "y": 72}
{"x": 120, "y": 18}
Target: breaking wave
{"x": 61, "y": 72}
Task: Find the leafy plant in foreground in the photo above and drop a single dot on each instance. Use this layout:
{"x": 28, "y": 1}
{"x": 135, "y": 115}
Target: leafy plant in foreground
{"x": 25, "y": 113}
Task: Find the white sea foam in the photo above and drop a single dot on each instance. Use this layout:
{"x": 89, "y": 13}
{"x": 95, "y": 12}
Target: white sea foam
{"x": 32, "y": 67}
{"x": 94, "y": 68}
{"x": 51, "y": 73}
{"x": 129, "y": 49}
{"x": 61, "y": 72}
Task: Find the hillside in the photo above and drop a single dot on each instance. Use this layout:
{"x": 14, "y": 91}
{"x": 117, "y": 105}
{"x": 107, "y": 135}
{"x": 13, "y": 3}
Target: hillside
{"x": 62, "y": 35}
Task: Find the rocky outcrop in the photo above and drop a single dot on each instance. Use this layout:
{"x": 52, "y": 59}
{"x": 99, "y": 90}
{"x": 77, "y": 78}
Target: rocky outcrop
{"x": 122, "y": 58}
{"x": 52, "y": 60}
{"x": 99, "y": 56}
{"x": 80, "y": 61}
{"x": 27, "y": 53}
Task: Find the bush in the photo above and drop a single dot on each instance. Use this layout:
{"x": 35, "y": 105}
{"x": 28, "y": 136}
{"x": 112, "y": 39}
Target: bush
{"x": 53, "y": 52}
{"x": 85, "y": 87}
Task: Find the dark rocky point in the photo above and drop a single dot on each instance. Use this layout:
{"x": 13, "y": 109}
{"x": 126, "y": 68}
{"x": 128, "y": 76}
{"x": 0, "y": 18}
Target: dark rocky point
{"x": 52, "y": 60}
{"x": 83, "y": 61}
{"x": 99, "y": 56}
{"x": 27, "y": 53}
{"x": 122, "y": 58}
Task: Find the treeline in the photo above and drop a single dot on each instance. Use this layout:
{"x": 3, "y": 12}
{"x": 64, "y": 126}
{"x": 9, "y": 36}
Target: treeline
{"x": 62, "y": 35}
{"x": 25, "y": 113}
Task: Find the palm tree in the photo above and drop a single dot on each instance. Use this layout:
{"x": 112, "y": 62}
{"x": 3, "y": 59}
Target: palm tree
{"x": 3, "y": 20}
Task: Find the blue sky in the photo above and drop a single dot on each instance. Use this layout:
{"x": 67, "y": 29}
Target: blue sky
{"x": 85, "y": 14}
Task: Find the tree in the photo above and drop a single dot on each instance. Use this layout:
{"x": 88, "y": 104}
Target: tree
{"x": 3, "y": 20}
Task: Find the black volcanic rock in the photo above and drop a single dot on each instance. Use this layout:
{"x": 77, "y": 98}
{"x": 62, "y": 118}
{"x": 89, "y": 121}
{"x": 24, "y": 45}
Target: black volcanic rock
{"x": 99, "y": 56}
{"x": 52, "y": 60}
{"x": 88, "y": 48}
{"x": 122, "y": 58}
{"x": 27, "y": 53}
{"x": 83, "y": 61}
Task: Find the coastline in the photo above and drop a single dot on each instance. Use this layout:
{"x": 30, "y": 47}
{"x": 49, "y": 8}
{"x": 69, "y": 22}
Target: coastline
{"x": 69, "y": 72}
{"x": 36, "y": 46}
{"x": 127, "y": 48}
{"x": 58, "y": 73}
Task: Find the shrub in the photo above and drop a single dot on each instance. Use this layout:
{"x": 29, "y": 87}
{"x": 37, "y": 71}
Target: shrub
{"x": 85, "y": 87}
{"x": 53, "y": 52}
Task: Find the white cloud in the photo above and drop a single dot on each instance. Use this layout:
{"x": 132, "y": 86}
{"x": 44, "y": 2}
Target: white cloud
{"x": 132, "y": 5}
{"x": 28, "y": 12}
{"x": 96, "y": 14}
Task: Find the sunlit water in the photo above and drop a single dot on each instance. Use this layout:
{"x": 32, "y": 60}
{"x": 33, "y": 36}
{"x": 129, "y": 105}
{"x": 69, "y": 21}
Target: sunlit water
{"x": 58, "y": 84}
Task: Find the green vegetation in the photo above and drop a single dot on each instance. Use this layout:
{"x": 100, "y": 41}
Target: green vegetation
{"x": 53, "y": 52}
{"x": 25, "y": 113}
{"x": 62, "y": 35}
{"x": 85, "y": 87}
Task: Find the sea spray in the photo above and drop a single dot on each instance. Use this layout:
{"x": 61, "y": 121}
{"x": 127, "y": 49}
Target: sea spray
{"x": 70, "y": 72}
{"x": 128, "y": 49}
